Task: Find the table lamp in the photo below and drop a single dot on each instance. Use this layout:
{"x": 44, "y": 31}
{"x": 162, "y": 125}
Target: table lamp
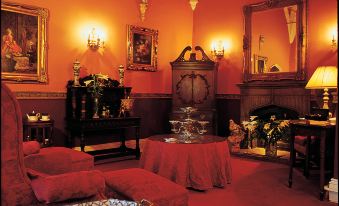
{"x": 324, "y": 77}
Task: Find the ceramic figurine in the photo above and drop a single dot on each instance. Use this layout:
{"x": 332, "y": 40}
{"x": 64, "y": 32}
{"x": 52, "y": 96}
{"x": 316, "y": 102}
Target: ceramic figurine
{"x": 236, "y": 136}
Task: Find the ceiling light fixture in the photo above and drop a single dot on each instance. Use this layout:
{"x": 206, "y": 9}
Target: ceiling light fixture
{"x": 193, "y": 4}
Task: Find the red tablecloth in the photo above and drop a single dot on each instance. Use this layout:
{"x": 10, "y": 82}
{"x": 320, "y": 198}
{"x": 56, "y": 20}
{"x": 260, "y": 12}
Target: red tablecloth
{"x": 199, "y": 165}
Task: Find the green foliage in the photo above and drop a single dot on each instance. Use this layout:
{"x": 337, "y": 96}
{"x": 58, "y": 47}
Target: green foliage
{"x": 271, "y": 131}
{"x": 96, "y": 84}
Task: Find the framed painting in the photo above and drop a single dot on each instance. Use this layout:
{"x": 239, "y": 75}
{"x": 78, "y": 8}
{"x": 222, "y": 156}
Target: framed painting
{"x": 23, "y": 43}
{"x": 142, "y": 47}
{"x": 260, "y": 64}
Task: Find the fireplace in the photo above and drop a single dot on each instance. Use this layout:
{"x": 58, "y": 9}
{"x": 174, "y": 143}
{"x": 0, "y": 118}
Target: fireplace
{"x": 285, "y": 99}
{"x": 266, "y": 112}
{"x": 287, "y": 96}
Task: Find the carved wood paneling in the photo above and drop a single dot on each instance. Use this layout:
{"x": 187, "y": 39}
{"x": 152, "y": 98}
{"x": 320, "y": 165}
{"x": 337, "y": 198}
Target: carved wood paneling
{"x": 290, "y": 95}
{"x": 62, "y": 95}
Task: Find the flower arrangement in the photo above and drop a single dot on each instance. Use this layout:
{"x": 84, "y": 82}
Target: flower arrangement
{"x": 96, "y": 83}
{"x": 271, "y": 131}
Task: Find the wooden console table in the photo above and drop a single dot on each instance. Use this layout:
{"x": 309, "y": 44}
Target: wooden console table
{"x": 80, "y": 127}
{"x": 322, "y": 129}
{"x": 80, "y": 122}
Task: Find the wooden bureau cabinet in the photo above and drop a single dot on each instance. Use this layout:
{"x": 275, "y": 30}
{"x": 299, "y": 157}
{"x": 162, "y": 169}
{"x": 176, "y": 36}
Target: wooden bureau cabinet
{"x": 194, "y": 85}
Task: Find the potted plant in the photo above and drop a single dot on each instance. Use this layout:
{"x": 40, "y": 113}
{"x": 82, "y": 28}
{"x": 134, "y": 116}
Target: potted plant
{"x": 270, "y": 131}
{"x": 95, "y": 86}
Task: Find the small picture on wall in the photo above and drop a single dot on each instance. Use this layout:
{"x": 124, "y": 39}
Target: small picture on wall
{"x": 260, "y": 64}
{"x": 142, "y": 44}
{"x": 23, "y": 43}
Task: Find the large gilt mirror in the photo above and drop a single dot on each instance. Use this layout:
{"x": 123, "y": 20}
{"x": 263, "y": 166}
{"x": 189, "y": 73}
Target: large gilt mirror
{"x": 275, "y": 40}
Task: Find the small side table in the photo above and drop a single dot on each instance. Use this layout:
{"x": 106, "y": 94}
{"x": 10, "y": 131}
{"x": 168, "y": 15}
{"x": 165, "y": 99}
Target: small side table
{"x": 41, "y": 131}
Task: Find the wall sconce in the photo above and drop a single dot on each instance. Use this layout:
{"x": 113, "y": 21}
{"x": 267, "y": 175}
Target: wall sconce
{"x": 334, "y": 42}
{"x": 193, "y": 4}
{"x": 94, "y": 41}
{"x": 261, "y": 41}
{"x": 143, "y": 7}
{"x": 218, "y": 49}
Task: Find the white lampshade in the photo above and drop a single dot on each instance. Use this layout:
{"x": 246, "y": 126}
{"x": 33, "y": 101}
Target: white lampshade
{"x": 323, "y": 77}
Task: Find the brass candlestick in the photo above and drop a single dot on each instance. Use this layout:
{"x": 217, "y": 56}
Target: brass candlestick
{"x": 76, "y": 71}
{"x": 121, "y": 75}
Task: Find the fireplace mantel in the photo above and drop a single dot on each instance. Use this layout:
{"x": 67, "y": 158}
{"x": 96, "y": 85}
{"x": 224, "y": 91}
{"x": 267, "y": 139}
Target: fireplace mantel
{"x": 288, "y": 94}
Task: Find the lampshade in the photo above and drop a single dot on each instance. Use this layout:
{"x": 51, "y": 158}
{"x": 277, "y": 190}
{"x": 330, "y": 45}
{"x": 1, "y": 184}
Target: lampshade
{"x": 323, "y": 77}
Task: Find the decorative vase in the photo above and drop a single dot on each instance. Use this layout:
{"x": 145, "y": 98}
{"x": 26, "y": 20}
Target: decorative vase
{"x": 121, "y": 76}
{"x": 95, "y": 107}
{"x": 76, "y": 71}
{"x": 271, "y": 149}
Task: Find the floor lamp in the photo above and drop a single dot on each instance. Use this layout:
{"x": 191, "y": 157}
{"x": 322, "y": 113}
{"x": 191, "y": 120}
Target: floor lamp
{"x": 324, "y": 77}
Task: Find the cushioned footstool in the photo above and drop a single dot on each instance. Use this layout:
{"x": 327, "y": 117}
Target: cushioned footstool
{"x": 80, "y": 160}
{"x": 137, "y": 184}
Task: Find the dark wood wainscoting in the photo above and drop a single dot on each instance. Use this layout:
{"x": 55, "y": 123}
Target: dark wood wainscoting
{"x": 154, "y": 110}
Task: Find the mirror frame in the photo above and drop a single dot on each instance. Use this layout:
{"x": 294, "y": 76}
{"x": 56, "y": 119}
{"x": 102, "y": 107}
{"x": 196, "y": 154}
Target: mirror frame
{"x": 248, "y": 10}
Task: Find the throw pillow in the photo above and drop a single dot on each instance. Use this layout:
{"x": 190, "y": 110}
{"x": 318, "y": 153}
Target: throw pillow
{"x": 30, "y": 147}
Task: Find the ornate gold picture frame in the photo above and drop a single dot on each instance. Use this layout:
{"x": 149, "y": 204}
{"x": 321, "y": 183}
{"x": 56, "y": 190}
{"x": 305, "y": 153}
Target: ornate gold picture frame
{"x": 260, "y": 64}
{"x": 24, "y": 43}
{"x": 142, "y": 47}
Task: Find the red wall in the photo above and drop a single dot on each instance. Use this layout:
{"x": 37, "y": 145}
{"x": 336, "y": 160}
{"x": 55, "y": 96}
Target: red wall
{"x": 178, "y": 27}
{"x": 221, "y": 19}
{"x": 67, "y": 42}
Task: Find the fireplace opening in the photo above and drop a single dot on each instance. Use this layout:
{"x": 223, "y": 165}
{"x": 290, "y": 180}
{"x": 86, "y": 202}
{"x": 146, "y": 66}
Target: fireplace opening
{"x": 283, "y": 113}
{"x": 280, "y": 113}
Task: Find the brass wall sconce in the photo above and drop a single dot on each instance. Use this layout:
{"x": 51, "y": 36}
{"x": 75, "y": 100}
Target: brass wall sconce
{"x": 94, "y": 42}
{"x": 143, "y": 7}
{"x": 334, "y": 43}
{"x": 218, "y": 50}
{"x": 334, "y": 35}
{"x": 193, "y": 4}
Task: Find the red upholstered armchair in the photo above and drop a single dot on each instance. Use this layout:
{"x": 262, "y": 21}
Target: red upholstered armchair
{"x": 55, "y": 174}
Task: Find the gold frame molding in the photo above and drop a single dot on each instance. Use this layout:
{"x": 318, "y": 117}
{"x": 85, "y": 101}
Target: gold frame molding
{"x": 300, "y": 74}
{"x": 257, "y": 59}
{"x": 135, "y": 59}
{"x": 40, "y": 76}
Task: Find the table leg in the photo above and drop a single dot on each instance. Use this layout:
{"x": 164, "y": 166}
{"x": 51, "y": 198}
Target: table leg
{"x": 82, "y": 142}
{"x": 137, "y": 147}
{"x": 307, "y": 158}
{"x": 69, "y": 140}
{"x": 292, "y": 158}
{"x": 43, "y": 137}
{"x": 122, "y": 140}
{"x": 51, "y": 139}
{"x": 322, "y": 163}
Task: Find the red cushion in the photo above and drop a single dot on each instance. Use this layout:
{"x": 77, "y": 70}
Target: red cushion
{"x": 138, "y": 184}
{"x": 51, "y": 163}
{"x": 30, "y": 147}
{"x": 80, "y": 160}
{"x": 67, "y": 186}
{"x": 35, "y": 174}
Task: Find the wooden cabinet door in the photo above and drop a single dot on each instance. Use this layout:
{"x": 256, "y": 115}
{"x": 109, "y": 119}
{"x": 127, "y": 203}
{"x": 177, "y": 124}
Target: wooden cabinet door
{"x": 193, "y": 88}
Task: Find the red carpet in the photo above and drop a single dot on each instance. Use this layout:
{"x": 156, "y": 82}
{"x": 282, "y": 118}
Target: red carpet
{"x": 255, "y": 183}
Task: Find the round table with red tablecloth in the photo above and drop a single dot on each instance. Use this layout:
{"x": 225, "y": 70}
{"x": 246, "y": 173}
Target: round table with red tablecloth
{"x": 201, "y": 165}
